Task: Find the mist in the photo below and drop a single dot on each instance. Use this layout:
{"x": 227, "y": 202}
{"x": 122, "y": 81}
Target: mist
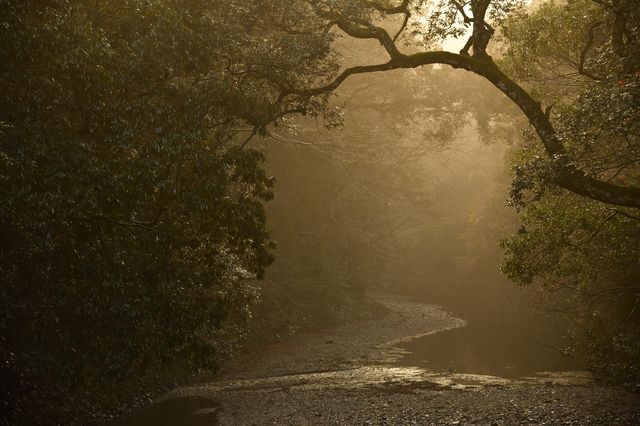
{"x": 319, "y": 212}
{"x": 394, "y": 203}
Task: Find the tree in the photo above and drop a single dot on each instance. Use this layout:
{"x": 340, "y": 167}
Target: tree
{"x": 431, "y": 22}
{"x": 584, "y": 253}
{"x": 131, "y": 222}
{"x": 588, "y": 130}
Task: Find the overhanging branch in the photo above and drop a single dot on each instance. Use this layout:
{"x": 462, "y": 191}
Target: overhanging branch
{"x": 568, "y": 176}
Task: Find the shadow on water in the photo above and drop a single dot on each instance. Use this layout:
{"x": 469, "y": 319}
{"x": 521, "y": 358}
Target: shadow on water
{"x": 487, "y": 350}
{"x": 188, "y": 411}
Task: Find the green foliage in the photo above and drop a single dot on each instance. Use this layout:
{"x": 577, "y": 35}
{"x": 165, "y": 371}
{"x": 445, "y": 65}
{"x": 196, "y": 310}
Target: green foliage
{"x": 574, "y": 240}
{"x": 563, "y": 46}
{"x": 602, "y": 130}
{"x": 544, "y": 46}
{"x": 131, "y": 221}
{"x": 585, "y": 254}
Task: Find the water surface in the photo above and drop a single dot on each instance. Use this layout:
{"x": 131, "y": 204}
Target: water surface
{"x": 490, "y": 349}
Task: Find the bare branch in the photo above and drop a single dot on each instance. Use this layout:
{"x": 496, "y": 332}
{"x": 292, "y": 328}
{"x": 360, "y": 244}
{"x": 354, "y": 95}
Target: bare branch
{"x": 246, "y": 141}
{"x": 401, "y": 8}
{"x": 370, "y": 32}
{"x": 625, "y": 214}
{"x": 460, "y": 8}
{"x": 405, "y": 21}
{"x": 585, "y": 49}
{"x": 394, "y": 10}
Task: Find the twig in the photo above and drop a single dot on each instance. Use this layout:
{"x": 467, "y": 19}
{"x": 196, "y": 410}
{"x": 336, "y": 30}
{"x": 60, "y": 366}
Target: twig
{"x": 253, "y": 133}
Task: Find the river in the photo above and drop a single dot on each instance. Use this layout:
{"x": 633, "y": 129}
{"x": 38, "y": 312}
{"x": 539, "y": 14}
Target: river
{"x": 394, "y": 369}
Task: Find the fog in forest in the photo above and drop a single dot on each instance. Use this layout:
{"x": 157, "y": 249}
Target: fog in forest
{"x": 409, "y": 197}
{"x": 258, "y": 212}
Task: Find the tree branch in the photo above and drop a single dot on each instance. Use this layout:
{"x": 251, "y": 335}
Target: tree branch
{"x": 405, "y": 21}
{"x": 248, "y": 139}
{"x": 393, "y": 10}
{"x": 568, "y": 176}
{"x": 585, "y": 49}
{"x": 370, "y": 32}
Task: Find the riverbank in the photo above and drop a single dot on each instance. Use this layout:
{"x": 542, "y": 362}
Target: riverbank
{"x": 350, "y": 376}
{"x": 367, "y": 342}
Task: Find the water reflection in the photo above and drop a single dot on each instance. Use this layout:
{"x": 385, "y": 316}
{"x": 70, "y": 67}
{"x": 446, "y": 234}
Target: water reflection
{"x": 486, "y": 349}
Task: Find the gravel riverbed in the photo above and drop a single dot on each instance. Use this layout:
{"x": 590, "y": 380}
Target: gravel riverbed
{"x": 349, "y": 376}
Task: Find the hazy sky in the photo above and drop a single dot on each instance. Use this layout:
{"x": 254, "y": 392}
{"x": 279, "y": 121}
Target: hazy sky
{"x": 455, "y": 44}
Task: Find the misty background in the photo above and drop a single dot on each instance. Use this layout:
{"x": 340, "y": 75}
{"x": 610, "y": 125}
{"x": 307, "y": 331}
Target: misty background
{"x": 408, "y": 196}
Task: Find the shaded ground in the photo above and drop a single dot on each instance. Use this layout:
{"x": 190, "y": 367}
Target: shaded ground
{"x": 351, "y": 376}
{"x": 421, "y": 404}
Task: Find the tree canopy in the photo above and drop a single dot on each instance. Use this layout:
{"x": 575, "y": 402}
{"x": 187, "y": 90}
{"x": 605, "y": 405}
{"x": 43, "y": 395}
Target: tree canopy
{"x": 129, "y": 203}
{"x": 584, "y": 253}
{"x": 446, "y": 18}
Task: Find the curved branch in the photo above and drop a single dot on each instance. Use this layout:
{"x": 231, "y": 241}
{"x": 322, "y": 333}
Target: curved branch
{"x": 401, "y": 8}
{"x": 405, "y": 21}
{"x": 370, "y": 32}
{"x": 585, "y": 50}
{"x": 460, "y": 8}
{"x": 362, "y": 69}
{"x": 394, "y": 10}
{"x": 365, "y": 30}
{"x": 568, "y": 176}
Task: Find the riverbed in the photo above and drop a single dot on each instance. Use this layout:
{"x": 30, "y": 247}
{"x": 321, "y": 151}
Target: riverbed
{"x": 366, "y": 373}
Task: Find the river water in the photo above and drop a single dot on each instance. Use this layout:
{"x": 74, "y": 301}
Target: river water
{"x": 414, "y": 346}
{"x": 476, "y": 349}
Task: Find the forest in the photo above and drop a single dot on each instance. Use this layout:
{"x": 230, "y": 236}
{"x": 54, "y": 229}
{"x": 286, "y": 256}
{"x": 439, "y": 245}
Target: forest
{"x": 185, "y": 181}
